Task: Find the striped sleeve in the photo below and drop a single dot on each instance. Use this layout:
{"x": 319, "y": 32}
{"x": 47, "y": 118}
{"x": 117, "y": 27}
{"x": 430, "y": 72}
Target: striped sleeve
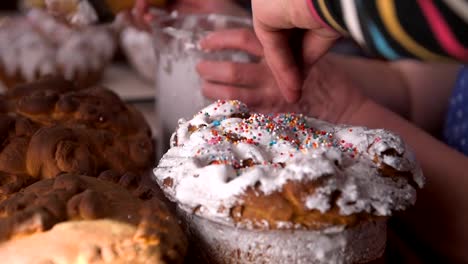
{"x": 434, "y": 30}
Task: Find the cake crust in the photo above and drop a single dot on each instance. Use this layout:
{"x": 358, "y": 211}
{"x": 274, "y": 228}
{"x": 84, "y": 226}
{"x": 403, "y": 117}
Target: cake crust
{"x": 285, "y": 188}
{"x": 52, "y": 126}
{"x": 92, "y": 214}
{"x": 285, "y": 171}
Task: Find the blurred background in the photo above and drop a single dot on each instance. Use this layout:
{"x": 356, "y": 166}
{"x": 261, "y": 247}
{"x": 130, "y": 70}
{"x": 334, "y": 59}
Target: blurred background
{"x": 8, "y": 5}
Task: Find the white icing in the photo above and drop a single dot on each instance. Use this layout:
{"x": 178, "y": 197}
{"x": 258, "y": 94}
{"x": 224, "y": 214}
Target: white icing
{"x": 48, "y": 25}
{"x": 38, "y": 44}
{"x": 24, "y": 50}
{"x": 88, "y": 50}
{"x": 84, "y": 14}
{"x": 308, "y": 149}
{"x": 77, "y": 12}
{"x": 138, "y": 46}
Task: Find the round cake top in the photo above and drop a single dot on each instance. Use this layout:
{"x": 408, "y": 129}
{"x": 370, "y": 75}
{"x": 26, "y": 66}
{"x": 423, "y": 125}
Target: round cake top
{"x": 39, "y": 44}
{"x": 226, "y": 157}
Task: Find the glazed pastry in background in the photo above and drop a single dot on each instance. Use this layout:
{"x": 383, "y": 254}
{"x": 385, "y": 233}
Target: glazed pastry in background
{"x": 138, "y": 44}
{"x": 50, "y": 127}
{"x": 138, "y": 48}
{"x": 85, "y": 12}
{"x": 87, "y": 220}
{"x": 38, "y": 45}
{"x": 285, "y": 188}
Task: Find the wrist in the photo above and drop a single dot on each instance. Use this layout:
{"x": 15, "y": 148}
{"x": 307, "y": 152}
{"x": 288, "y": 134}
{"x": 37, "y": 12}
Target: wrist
{"x": 313, "y": 9}
{"x": 368, "y": 114}
{"x": 355, "y": 111}
{"x": 301, "y": 15}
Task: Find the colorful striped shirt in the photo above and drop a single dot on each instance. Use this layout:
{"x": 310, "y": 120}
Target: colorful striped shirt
{"x": 435, "y": 30}
{"x": 455, "y": 132}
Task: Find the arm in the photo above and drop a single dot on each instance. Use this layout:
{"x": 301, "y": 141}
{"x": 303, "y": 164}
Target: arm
{"x": 397, "y": 29}
{"x": 394, "y": 29}
{"x": 441, "y": 212}
{"x": 228, "y": 7}
{"x": 417, "y": 91}
{"x": 333, "y": 94}
{"x": 402, "y": 86}
{"x": 429, "y": 90}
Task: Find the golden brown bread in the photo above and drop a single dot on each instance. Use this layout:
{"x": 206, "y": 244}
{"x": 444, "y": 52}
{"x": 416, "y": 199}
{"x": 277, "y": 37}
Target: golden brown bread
{"x": 51, "y": 126}
{"x": 93, "y": 242}
{"x": 15, "y": 133}
{"x": 92, "y": 214}
{"x": 83, "y": 80}
{"x": 51, "y": 134}
{"x": 11, "y": 183}
{"x": 287, "y": 206}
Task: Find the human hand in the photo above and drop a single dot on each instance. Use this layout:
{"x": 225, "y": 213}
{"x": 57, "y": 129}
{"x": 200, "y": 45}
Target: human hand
{"x": 142, "y": 15}
{"x": 228, "y": 7}
{"x": 250, "y": 82}
{"x": 273, "y": 20}
{"x": 327, "y": 92}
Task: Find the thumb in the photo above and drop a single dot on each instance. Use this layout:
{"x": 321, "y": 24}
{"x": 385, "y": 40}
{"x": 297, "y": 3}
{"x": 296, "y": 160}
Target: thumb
{"x": 280, "y": 58}
{"x": 315, "y": 46}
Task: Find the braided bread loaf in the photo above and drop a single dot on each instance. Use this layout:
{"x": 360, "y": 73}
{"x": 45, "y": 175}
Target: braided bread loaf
{"x": 53, "y": 133}
{"x": 102, "y": 223}
{"x": 51, "y": 126}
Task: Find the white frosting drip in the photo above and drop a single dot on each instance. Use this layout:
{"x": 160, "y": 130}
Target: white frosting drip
{"x": 39, "y": 45}
{"x": 84, "y": 15}
{"x": 24, "y": 50}
{"x": 138, "y": 46}
{"x": 284, "y": 147}
{"x": 88, "y": 50}
{"x": 48, "y": 25}
{"x": 77, "y": 12}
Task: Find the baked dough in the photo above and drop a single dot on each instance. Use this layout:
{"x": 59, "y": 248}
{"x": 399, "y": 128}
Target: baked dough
{"x": 256, "y": 177}
{"x": 82, "y": 219}
{"x": 51, "y": 126}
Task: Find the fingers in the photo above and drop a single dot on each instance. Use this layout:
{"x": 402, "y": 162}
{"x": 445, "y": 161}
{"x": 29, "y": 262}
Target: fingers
{"x": 315, "y": 46}
{"x": 140, "y": 16}
{"x": 273, "y": 19}
{"x": 251, "y": 83}
{"x": 141, "y": 6}
{"x": 217, "y": 91}
{"x": 237, "y": 74}
{"x": 240, "y": 39}
{"x": 280, "y": 58}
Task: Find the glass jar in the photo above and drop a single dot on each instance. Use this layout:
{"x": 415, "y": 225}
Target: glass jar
{"x": 178, "y": 85}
